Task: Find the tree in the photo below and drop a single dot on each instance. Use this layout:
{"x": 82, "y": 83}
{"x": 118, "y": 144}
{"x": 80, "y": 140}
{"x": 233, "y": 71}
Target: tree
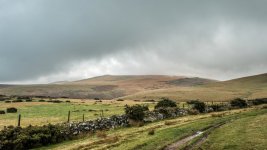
{"x": 198, "y": 105}
{"x": 238, "y": 102}
{"x": 136, "y": 112}
{"x": 165, "y": 102}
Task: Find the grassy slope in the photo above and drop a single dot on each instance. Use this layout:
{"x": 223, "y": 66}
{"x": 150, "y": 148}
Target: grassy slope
{"x": 138, "y": 138}
{"x": 150, "y": 87}
{"x": 248, "y": 87}
{"x": 246, "y": 133}
{"x": 105, "y": 87}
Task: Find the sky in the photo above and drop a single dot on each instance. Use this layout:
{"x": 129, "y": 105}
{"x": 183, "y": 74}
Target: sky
{"x": 43, "y": 41}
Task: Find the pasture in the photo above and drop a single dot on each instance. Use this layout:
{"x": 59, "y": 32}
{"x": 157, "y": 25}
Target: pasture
{"x": 235, "y": 124}
{"x": 168, "y": 133}
{"x": 40, "y": 113}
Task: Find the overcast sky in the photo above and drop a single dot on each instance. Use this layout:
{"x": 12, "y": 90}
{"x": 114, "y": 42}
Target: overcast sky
{"x": 42, "y": 41}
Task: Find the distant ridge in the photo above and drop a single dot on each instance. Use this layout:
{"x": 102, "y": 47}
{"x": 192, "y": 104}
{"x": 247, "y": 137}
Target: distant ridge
{"x": 249, "y": 87}
{"x": 145, "y": 87}
{"x": 106, "y": 87}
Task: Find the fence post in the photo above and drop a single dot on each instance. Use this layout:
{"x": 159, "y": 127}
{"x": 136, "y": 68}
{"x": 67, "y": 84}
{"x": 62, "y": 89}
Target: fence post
{"x": 19, "y": 120}
{"x": 69, "y": 117}
{"x": 102, "y": 113}
{"x": 83, "y": 117}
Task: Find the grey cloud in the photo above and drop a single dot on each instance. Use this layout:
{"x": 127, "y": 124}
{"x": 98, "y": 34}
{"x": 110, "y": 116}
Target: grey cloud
{"x": 41, "y": 38}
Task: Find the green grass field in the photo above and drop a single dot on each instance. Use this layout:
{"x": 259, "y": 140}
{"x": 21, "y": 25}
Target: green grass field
{"x": 39, "y": 113}
{"x": 230, "y": 135}
{"x": 248, "y": 132}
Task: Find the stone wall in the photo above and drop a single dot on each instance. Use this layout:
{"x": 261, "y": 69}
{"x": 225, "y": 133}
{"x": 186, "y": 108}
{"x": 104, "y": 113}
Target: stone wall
{"x": 98, "y": 124}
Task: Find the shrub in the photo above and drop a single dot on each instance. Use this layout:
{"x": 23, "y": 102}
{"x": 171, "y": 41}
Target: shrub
{"x": 56, "y": 101}
{"x": 7, "y": 101}
{"x": 136, "y": 112}
{"x": 150, "y": 100}
{"x": 259, "y": 101}
{"x": 198, "y": 105}
{"x": 239, "y": 103}
{"x": 28, "y": 100}
{"x": 17, "y": 100}
{"x": 11, "y": 110}
{"x": 2, "y": 112}
{"x": 41, "y": 100}
{"x": 23, "y": 97}
{"x": 120, "y": 100}
{"x": 165, "y": 102}
{"x": 16, "y": 138}
{"x": 192, "y": 102}
{"x": 151, "y": 132}
{"x": 67, "y": 101}
{"x": 96, "y": 98}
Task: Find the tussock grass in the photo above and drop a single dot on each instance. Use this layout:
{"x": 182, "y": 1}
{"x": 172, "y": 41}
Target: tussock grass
{"x": 168, "y": 122}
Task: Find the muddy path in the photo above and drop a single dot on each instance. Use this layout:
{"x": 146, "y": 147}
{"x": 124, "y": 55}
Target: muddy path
{"x": 203, "y": 133}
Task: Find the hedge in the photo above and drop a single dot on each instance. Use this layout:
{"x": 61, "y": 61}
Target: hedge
{"x": 11, "y": 110}
{"x": 17, "y": 138}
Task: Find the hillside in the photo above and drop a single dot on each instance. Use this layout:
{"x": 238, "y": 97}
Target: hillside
{"x": 147, "y": 87}
{"x": 105, "y": 87}
{"x": 246, "y": 87}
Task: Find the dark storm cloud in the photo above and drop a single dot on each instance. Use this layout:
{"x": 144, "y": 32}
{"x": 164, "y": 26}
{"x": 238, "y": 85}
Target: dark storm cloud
{"x": 46, "y": 38}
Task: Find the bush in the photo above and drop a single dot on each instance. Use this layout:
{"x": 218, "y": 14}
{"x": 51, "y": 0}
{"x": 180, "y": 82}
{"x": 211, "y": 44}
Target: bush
{"x": 192, "y": 102}
{"x": 198, "y": 105}
{"x": 7, "y": 101}
{"x": 11, "y": 110}
{"x": 23, "y": 97}
{"x": 67, "y": 101}
{"x": 238, "y": 103}
{"x": 17, "y": 100}
{"x": 31, "y": 137}
{"x": 150, "y": 100}
{"x": 259, "y": 101}
{"x": 2, "y": 112}
{"x": 41, "y": 100}
{"x": 54, "y": 101}
{"x": 120, "y": 100}
{"x": 165, "y": 102}
{"x": 28, "y": 100}
{"x": 136, "y": 112}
